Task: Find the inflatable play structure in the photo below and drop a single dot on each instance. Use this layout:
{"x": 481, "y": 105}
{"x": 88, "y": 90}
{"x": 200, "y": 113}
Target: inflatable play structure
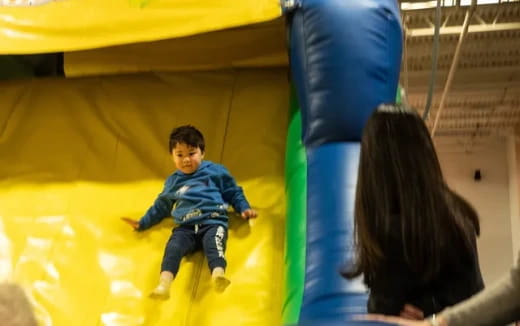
{"x": 281, "y": 92}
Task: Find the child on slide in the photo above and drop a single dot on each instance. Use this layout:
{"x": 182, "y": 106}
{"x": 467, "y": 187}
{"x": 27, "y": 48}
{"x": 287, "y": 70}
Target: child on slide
{"x": 197, "y": 196}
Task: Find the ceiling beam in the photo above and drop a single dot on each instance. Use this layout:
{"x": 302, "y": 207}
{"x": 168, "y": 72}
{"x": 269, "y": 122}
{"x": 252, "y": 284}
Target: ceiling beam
{"x": 476, "y": 28}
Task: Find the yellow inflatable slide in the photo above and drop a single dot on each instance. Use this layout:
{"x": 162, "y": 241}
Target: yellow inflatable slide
{"x": 77, "y": 154}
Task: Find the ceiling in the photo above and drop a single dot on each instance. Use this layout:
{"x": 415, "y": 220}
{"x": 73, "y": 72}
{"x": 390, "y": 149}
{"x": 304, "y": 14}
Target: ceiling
{"x": 484, "y": 98}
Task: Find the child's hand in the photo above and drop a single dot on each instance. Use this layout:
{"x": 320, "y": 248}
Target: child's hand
{"x": 249, "y": 213}
{"x": 133, "y": 223}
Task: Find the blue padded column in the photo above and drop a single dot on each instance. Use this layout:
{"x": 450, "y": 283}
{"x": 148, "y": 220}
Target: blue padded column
{"x": 331, "y": 186}
{"x": 345, "y": 59}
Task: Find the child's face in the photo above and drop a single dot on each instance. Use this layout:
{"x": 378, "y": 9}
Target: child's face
{"x": 187, "y": 158}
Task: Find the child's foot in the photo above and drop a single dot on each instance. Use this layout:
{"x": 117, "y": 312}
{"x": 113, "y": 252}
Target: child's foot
{"x": 162, "y": 291}
{"x": 219, "y": 279}
{"x": 221, "y": 283}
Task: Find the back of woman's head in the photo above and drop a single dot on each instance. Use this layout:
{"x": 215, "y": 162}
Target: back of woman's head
{"x": 402, "y": 198}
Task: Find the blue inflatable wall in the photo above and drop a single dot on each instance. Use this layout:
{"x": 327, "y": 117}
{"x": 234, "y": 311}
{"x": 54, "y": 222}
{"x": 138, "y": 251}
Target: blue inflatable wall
{"x": 345, "y": 60}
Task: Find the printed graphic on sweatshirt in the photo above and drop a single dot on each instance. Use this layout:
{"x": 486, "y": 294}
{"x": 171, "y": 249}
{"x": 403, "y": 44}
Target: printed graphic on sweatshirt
{"x": 193, "y": 213}
{"x": 187, "y": 203}
{"x": 182, "y": 190}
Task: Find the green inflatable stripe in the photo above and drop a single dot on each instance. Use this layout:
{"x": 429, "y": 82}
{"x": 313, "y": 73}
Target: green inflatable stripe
{"x": 296, "y": 224}
{"x": 398, "y": 96}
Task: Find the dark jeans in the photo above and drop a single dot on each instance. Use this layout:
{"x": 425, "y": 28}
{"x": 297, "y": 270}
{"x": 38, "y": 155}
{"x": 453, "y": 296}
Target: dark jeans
{"x": 186, "y": 239}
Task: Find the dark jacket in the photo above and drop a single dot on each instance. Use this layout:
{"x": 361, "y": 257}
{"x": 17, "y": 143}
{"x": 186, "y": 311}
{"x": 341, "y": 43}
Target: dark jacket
{"x": 394, "y": 284}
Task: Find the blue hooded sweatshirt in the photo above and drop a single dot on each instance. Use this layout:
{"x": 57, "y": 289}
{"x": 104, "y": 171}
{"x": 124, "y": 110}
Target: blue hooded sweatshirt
{"x": 197, "y": 198}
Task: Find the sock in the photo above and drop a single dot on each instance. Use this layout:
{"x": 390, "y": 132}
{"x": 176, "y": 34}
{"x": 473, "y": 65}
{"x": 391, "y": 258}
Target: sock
{"x": 162, "y": 290}
{"x": 219, "y": 279}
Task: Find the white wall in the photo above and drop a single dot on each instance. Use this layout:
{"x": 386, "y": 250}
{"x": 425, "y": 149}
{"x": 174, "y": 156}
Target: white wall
{"x": 514, "y": 173}
{"x": 490, "y": 197}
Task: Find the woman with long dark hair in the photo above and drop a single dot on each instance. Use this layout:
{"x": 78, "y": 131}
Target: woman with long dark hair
{"x": 415, "y": 237}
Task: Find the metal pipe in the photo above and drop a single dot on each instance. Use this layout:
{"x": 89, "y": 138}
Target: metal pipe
{"x": 435, "y": 59}
{"x": 446, "y": 20}
{"x": 405, "y": 56}
{"x": 474, "y": 28}
{"x": 454, "y": 64}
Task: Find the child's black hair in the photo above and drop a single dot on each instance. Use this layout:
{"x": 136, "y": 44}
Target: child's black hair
{"x": 188, "y": 135}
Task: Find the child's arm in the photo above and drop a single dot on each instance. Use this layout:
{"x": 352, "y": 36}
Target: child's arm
{"x": 160, "y": 209}
{"x": 234, "y": 195}
{"x": 156, "y": 213}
